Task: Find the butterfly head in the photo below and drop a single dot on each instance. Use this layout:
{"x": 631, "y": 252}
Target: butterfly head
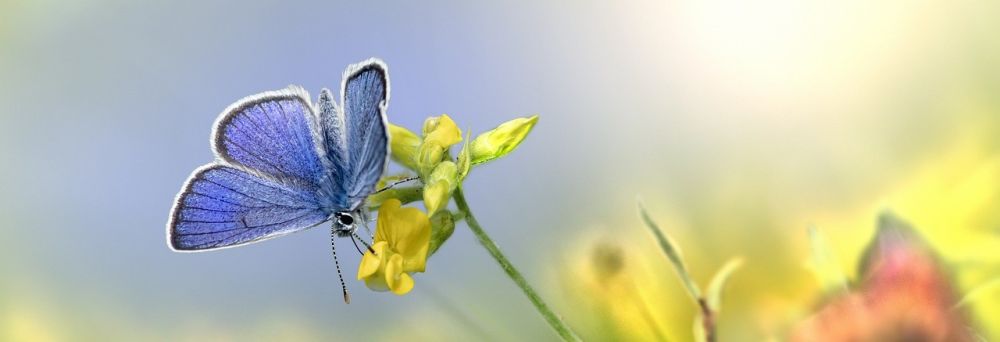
{"x": 346, "y": 222}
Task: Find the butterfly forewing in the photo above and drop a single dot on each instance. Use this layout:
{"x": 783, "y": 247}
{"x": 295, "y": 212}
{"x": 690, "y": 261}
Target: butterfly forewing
{"x": 271, "y": 133}
{"x": 365, "y": 97}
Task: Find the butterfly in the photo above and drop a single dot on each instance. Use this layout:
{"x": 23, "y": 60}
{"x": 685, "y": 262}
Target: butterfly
{"x": 284, "y": 164}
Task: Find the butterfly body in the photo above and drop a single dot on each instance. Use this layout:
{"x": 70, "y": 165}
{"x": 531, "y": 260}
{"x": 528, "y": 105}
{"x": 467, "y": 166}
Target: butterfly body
{"x": 285, "y": 164}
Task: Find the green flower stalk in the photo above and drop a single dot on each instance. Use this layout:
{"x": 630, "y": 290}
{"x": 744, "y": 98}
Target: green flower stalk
{"x": 429, "y": 156}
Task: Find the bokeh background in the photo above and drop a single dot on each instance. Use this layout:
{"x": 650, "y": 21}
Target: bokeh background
{"x": 739, "y": 123}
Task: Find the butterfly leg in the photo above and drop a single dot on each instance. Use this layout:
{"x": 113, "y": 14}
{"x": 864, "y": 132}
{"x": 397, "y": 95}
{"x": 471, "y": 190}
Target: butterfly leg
{"x": 358, "y": 238}
{"x": 351, "y": 232}
{"x": 367, "y": 229}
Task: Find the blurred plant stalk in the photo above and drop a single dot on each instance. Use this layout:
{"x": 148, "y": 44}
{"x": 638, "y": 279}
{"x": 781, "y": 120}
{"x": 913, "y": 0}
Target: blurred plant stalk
{"x": 708, "y": 304}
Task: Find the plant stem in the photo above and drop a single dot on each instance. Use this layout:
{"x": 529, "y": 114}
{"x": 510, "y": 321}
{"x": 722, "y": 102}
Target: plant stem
{"x": 550, "y": 317}
{"x": 707, "y": 320}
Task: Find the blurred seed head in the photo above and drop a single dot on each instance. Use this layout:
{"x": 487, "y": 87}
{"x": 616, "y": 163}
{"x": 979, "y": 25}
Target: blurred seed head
{"x": 607, "y": 259}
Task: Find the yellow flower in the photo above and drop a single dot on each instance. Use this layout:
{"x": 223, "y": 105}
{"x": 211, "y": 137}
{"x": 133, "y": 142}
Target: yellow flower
{"x": 439, "y": 134}
{"x": 402, "y": 237}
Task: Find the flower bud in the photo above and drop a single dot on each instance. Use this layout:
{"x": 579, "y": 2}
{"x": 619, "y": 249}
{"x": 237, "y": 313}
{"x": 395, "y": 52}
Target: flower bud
{"x": 440, "y": 183}
{"x": 442, "y": 131}
{"x": 442, "y": 225}
{"x": 501, "y": 140}
{"x": 428, "y": 156}
{"x": 404, "y": 146}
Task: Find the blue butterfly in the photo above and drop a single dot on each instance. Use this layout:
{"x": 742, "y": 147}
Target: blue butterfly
{"x": 284, "y": 164}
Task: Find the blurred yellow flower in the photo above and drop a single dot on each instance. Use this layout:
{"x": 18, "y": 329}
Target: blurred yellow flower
{"x": 616, "y": 294}
{"x": 402, "y": 238}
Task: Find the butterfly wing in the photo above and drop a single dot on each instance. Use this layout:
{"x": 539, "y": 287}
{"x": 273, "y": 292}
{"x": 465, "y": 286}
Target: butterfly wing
{"x": 273, "y": 133}
{"x": 268, "y": 181}
{"x": 331, "y": 119}
{"x": 222, "y": 206}
{"x": 365, "y": 99}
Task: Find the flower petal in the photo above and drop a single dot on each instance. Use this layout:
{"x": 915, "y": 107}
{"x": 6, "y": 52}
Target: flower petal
{"x": 410, "y": 233}
{"x": 370, "y": 263}
{"x": 442, "y": 130}
{"x": 385, "y": 217}
{"x": 377, "y": 284}
{"x": 400, "y": 283}
{"x": 404, "y": 284}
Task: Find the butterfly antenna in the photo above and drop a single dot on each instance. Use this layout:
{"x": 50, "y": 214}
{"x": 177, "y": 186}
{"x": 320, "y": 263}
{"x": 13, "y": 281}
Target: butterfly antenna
{"x": 333, "y": 248}
{"x": 401, "y": 181}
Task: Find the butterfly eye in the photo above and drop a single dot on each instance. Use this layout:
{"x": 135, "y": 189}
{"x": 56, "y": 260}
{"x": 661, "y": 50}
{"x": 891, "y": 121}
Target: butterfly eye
{"x": 346, "y": 220}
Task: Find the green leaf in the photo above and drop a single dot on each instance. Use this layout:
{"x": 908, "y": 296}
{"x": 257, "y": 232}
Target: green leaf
{"x": 673, "y": 253}
{"x": 714, "y": 291}
{"x": 501, "y": 140}
{"x": 826, "y": 269}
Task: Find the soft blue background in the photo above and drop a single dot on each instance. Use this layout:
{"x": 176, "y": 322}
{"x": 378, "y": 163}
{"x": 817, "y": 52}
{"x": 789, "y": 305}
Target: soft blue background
{"x": 108, "y": 107}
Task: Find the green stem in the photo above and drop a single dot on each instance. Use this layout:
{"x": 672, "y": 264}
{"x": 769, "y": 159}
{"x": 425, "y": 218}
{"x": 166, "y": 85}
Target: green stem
{"x": 554, "y": 321}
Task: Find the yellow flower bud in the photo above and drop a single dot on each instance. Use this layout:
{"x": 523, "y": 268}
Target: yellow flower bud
{"x": 440, "y": 183}
{"x": 435, "y": 196}
{"x": 501, "y": 140}
{"x": 442, "y": 131}
{"x": 429, "y": 155}
{"x": 404, "y": 146}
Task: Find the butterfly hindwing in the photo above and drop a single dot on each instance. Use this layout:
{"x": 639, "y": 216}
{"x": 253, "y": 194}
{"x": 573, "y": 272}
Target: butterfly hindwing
{"x": 221, "y": 206}
{"x": 331, "y": 119}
